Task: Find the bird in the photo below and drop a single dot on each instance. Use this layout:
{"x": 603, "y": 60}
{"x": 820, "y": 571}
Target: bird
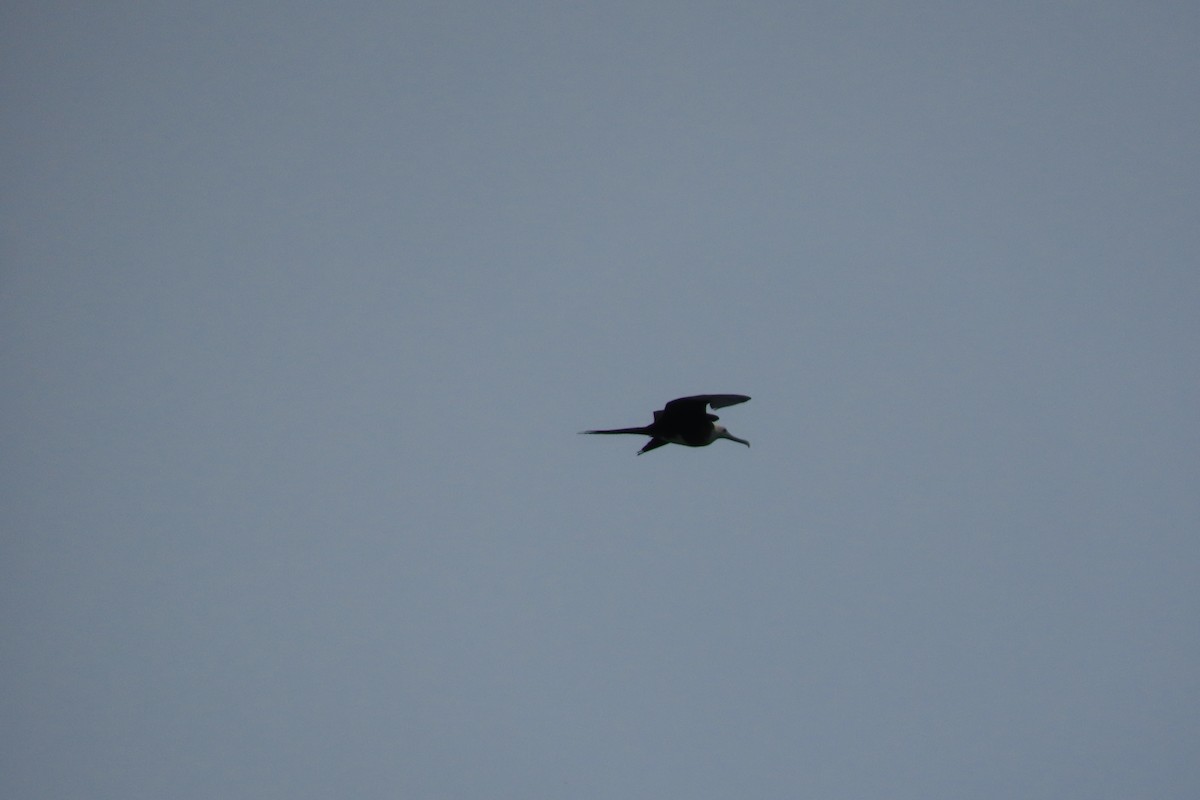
{"x": 685, "y": 421}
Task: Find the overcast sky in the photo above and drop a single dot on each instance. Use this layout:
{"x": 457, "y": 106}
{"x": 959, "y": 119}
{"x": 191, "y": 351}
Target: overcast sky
{"x": 302, "y": 306}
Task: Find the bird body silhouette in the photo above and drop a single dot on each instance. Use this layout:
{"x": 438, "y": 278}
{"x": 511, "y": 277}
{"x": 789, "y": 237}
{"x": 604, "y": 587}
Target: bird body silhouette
{"x": 686, "y": 421}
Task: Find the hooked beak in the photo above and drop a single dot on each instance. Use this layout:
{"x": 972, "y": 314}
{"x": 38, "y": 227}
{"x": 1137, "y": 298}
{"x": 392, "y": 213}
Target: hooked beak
{"x": 729, "y": 435}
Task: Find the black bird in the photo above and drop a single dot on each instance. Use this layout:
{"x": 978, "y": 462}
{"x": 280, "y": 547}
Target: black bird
{"x": 685, "y": 421}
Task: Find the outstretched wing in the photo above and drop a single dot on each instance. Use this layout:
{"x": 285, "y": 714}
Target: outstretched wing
{"x": 694, "y": 406}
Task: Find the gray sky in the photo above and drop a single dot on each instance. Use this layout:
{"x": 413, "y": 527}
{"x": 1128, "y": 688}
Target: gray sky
{"x": 301, "y": 308}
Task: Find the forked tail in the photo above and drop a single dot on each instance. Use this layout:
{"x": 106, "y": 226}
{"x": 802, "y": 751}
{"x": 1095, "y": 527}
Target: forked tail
{"x": 638, "y": 431}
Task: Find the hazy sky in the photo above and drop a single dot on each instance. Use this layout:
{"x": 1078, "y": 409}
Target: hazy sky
{"x": 302, "y": 306}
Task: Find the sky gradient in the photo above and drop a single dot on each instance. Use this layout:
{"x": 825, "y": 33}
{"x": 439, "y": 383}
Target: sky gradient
{"x": 302, "y": 307}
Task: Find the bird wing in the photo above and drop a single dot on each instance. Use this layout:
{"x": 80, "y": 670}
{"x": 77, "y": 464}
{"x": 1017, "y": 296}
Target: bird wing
{"x": 651, "y": 445}
{"x": 695, "y": 405}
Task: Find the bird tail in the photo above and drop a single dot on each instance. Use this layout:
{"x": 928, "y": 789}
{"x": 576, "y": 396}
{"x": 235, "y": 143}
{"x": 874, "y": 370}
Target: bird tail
{"x": 638, "y": 431}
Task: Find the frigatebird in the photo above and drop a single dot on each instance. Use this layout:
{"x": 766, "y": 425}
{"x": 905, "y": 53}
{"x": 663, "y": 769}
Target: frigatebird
{"x": 685, "y": 421}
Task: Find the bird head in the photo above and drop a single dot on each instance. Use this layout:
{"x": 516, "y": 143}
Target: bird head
{"x": 719, "y": 432}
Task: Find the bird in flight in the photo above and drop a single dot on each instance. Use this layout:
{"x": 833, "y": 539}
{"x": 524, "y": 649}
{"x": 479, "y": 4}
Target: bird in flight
{"x": 686, "y": 421}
